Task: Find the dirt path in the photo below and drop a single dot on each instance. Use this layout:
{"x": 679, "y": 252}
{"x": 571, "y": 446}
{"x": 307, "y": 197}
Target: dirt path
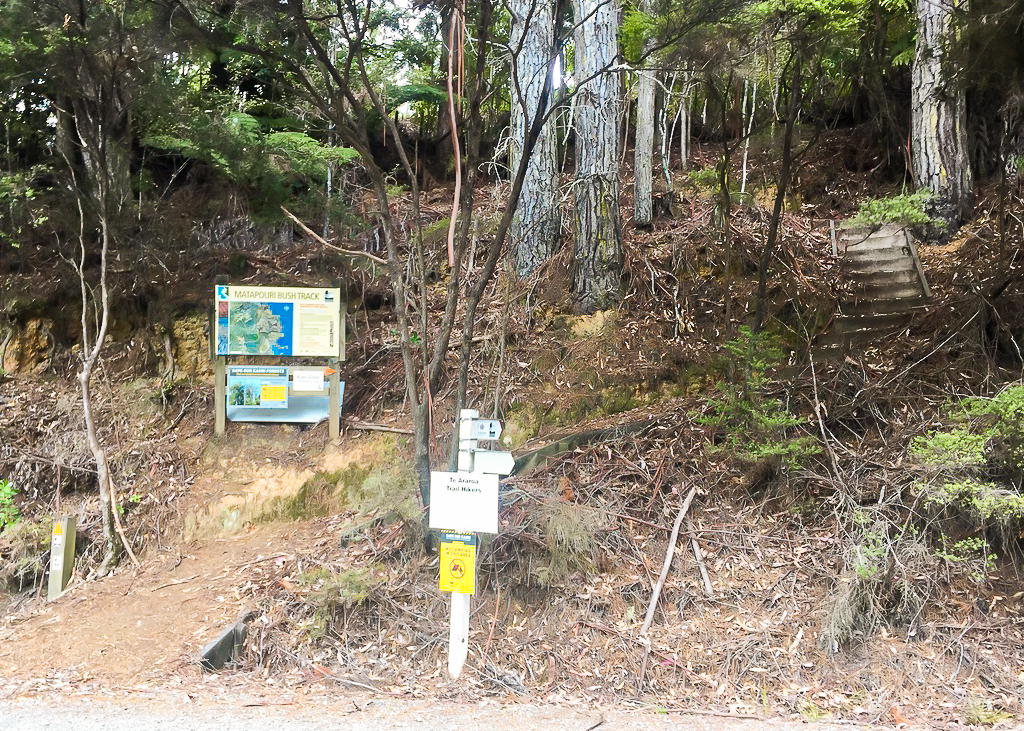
{"x": 144, "y": 625}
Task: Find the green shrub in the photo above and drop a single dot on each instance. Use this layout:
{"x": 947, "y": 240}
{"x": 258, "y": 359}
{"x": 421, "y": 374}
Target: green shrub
{"x": 977, "y": 464}
{"x": 332, "y": 593}
{"x": 705, "y": 177}
{"x": 9, "y": 513}
{"x": 1000, "y": 420}
{"x": 908, "y": 208}
{"x": 755, "y": 427}
{"x": 957, "y": 448}
{"x": 986, "y": 505}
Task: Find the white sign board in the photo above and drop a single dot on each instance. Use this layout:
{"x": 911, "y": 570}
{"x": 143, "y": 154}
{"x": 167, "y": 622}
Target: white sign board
{"x": 486, "y": 429}
{"x": 464, "y": 501}
{"x": 308, "y": 380}
{"x": 497, "y": 463}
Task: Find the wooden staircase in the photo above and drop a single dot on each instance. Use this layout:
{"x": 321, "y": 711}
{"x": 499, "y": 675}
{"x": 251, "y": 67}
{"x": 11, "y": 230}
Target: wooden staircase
{"x": 882, "y": 284}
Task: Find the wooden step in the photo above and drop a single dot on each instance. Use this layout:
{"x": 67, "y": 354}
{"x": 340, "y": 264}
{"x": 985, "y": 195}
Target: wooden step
{"x": 828, "y": 352}
{"x": 881, "y": 278}
{"x": 891, "y": 321}
{"x": 874, "y": 244}
{"x": 856, "y": 306}
{"x": 882, "y": 291}
{"x": 856, "y": 236}
{"x": 880, "y": 258}
{"x": 859, "y": 337}
{"x": 858, "y": 232}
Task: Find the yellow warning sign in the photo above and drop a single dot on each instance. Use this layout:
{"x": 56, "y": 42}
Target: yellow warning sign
{"x": 458, "y": 567}
{"x": 58, "y": 529}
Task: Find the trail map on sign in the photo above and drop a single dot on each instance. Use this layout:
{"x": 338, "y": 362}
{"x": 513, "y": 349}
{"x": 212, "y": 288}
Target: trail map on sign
{"x": 259, "y": 329}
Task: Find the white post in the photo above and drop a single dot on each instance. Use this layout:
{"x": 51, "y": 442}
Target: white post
{"x": 458, "y": 629}
{"x": 467, "y": 445}
{"x": 458, "y": 633}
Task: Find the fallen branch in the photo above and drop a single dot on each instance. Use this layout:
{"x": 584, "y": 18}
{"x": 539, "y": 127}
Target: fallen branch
{"x": 716, "y": 714}
{"x": 708, "y": 589}
{"x": 174, "y": 583}
{"x": 366, "y": 426}
{"x": 324, "y": 242}
{"x": 653, "y": 606}
{"x": 338, "y": 679}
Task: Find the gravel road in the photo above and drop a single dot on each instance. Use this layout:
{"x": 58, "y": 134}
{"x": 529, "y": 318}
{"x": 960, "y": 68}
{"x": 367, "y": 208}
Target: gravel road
{"x": 165, "y": 710}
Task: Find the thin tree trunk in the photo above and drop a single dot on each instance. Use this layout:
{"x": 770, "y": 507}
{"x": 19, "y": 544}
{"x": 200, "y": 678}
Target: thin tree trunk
{"x": 111, "y": 551}
{"x": 643, "y": 153}
{"x": 500, "y": 237}
{"x": 785, "y": 176}
{"x": 92, "y": 345}
{"x": 536, "y": 226}
{"x": 748, "y": 130}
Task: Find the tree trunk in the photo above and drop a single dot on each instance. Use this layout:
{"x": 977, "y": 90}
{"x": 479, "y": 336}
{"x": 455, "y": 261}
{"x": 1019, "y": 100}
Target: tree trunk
{"x": 598, "y": 247}
{"x": 643, "y": 152}
{"x": 92, "y": 345}
{"x": 785, "y": 175}
{"x": 938, "y": 119}
{"x": 536, "y": 225}
{"x": 110, "y": 541}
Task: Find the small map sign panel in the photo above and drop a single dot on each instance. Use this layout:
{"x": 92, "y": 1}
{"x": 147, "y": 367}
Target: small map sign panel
{"x": 464, "y": 501}
{"x": 285, "y": 321}
{"x": 458, "y": 563}
{"x": 486, "y": 428}
{"x": 264, "y": 387}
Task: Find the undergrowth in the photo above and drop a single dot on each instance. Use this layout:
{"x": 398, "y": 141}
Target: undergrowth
{"x": 332, "y": 592}
{"x": 23, "y": 552}
{"x": 968, "y": 507}
{"x": 974, "y": 470}
{"x": 893, "y": 572}
{"x": 9, "y": 513}
{"x": 569, "y": 532}
{"x": 908, "y": 208}
{"x": 753, "y": 426}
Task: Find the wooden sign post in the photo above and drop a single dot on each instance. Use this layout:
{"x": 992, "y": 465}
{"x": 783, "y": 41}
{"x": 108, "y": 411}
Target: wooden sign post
{"x": 62, "y": 556}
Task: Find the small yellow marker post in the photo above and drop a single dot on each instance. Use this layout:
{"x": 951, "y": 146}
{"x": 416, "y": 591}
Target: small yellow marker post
{"x": 62, "y": 556}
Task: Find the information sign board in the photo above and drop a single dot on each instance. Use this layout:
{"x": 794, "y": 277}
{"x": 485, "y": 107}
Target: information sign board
{"x": 279, "y": 321}
{"x": 464, "y": 501}
{"x": 62, "y": 556}
{"x": 458, "y": 563}
{"x": 258, "y": 387}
